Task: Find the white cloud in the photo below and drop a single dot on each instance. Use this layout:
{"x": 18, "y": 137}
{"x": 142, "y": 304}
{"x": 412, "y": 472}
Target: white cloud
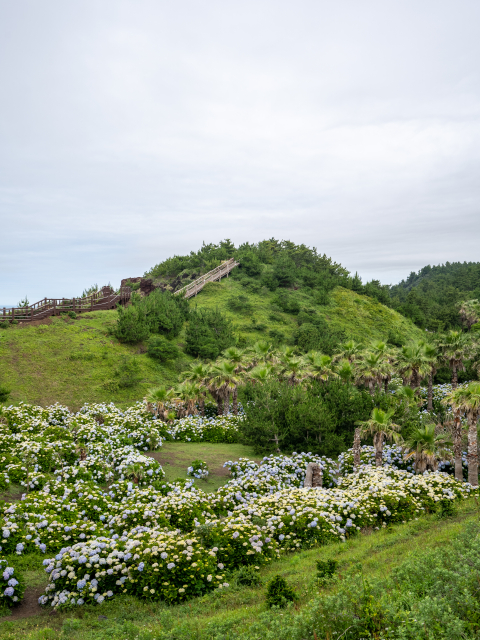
{"x": 130, "y": 131}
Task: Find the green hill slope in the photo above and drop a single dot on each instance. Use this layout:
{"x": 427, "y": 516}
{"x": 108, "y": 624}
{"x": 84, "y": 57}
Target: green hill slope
{"x": 358, "y": 316}
{"x": 77, "y": 361}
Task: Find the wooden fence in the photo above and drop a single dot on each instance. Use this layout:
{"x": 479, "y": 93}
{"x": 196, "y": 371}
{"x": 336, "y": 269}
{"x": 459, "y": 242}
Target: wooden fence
{"x": 105, "y": 298}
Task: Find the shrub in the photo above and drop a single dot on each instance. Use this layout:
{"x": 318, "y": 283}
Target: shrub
{"x": 4, "y": 324}
{"x": 326, "y": 570}
{"x": 287, "y": 302}
{"x": 248, "y": 576}
{"x": 12, "y": 584}
{"x": 240, "y": 304}
{"x": 132, "y": 326}
{"x": 128, "y": 372}
{"x": 4, "y": 393}
{"x": 269, "y": 281}
{"x": 72, "y": 314}
{"x": 198, "y": 469}
{"x": 162, "y": 349}
{"x": 250, "y": 263}
{"x": 284, "y": 271}
{"x": 208, "y": 333}
{"x": 165, "y": 313}
{"x": 279, "y": 593}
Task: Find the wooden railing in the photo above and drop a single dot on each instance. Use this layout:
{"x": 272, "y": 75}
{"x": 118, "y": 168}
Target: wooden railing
{"x": 105, "y": 298}
{"x": 216, "y": 274}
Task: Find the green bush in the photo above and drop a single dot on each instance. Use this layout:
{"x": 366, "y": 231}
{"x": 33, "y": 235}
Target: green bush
{"x": 4, "y": 393}
{"x": 269, "y": 281}
{"x": 284, "y": 270}
{"x": 326, "y": 570}
{"x": 279, "y": 594}
{"x": 72, "y": 314}
{"x": 250, "y": 263}
{"x": 287, "y": 302}
{"x": 128, "y": 372}
{"x": 319, "y": 418}
{"x": 132, "y": 325}
{"x": 162, "y": 349}
{"x": 208, "y": 333}
{"x": 248, "y": 576}
{"x": 240, "y": 304}
{"x": 165, "y": 313}
{"x": 4, "y": 324}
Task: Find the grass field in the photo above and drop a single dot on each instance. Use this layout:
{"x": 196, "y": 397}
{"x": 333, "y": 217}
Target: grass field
{"x": 238, "y": 607}
{"x": 176, "y": 457}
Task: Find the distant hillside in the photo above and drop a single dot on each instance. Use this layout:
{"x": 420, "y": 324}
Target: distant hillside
{"x": 431, "y": 297}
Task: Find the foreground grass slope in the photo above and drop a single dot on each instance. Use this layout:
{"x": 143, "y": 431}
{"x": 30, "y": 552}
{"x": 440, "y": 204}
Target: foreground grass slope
{"x": 229, "y": 614}
{"x": 77, "y": 361}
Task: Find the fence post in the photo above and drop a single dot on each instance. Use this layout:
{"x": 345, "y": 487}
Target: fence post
{"x": 13, "y": 314}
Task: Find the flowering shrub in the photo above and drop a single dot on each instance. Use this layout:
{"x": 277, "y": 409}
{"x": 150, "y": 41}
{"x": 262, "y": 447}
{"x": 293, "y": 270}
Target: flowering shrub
{"x": 198, "y": 469}
{"x": 198, "y": 429}
{"x": 171, "y": 541}
{"x": 12, "y": 584}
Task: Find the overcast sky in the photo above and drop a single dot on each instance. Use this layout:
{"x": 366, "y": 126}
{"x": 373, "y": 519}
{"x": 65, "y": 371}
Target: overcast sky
{"x": 133, "y": 130}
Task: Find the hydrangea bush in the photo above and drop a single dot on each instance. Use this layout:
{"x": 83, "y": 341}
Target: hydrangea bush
{"x": 12, "y": 585}
{"x": 96, "y": 504}
{"x": 198, "y": 469}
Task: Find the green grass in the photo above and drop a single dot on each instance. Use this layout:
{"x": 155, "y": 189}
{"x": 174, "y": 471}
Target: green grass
{"x": 236, "y": 609}
{"x": 360, "y": 317}
{"x": 176, "y": 457}
{"x": 74, "y": 361}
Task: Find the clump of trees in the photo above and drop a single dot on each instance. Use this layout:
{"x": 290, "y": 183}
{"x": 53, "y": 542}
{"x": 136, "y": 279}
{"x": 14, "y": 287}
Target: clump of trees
{"x": 159, "y": 313}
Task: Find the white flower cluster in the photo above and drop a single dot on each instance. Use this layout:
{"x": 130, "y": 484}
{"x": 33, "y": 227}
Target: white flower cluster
{"x": 197, "y": 429}
{"x": 173, "y": 541}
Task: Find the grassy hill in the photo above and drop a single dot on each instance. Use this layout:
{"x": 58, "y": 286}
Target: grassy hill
{"x": 76, "y": 361}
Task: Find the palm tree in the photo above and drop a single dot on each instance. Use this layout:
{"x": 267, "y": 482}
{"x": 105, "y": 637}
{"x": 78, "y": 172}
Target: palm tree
{"x": 291, "y": 367}
{"x": 427, "y": 447}
{"x": 456, "y": 347}
{"x": 388, "y": 357}
{"x": 380, "y": 426}
{"x": 261, "y": 373}
{"x": 371, "y": 370}
{"x": 198, "y": 373}
{"x": 158, "y": 398}
{"x": 412, "y": 364}
{"x": 356, "y": 449}
{"x": 431, "y": 355}
{"x": 351, "y": 351}
{"x": 345, "y": 371}
{"x": 190, "y": 393}
{"x": 237, "y": 357}
{"x": 261, "y": 352}
{"x": 470, "y": 312}
{"x": 319, "y": 366}
{"x": 466, "y": 400}
{"x": 225, "y": 380}
{"x": 135, "y": 471}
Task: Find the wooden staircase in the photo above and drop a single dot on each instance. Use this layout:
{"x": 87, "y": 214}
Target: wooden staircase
{"x": 216, "y": 274}
{"x": 106, "y": 298}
